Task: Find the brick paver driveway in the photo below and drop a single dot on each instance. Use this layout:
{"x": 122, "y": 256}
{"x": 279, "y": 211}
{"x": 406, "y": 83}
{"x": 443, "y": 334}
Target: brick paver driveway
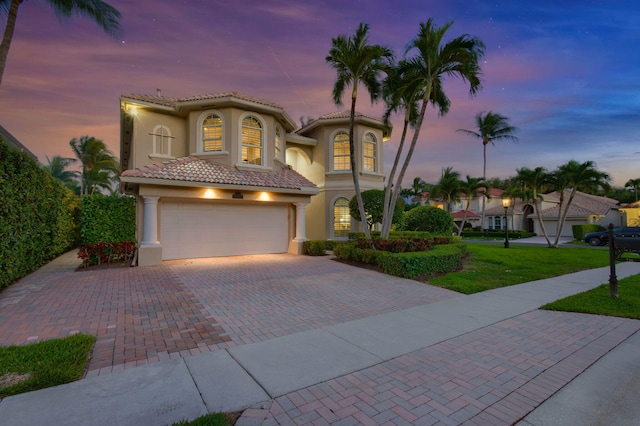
{"x": 146, "y": 314}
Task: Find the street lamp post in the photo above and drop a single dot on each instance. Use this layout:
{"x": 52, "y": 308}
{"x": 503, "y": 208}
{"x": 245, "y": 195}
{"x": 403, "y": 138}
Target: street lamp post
{"x": 506, "y": 202}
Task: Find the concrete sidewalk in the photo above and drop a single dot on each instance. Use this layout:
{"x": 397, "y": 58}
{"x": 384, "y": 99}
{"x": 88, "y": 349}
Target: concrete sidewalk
{"x": 487, "y": 358}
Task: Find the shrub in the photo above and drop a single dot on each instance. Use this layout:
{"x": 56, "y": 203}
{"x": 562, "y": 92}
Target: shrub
{"x": 108, "y": 229}
{"x": 443, "y": 258}
{"x": 429, "y": 219}
{"x": 513, "y": 235}
{"x": 314, "y": 247}
{"x": 38, "y": 216}
{"x": 579, "y": 231}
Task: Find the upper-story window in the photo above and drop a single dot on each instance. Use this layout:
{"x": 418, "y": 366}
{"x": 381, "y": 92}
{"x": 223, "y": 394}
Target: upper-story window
{"x": 369, "y": 152}
{"x": 278, "y": 143}
{"x": 341, "y": 160}
{"x": 212, "y": 133}
{"x": 252, "y": 141}
{"x": 161, "y": 137}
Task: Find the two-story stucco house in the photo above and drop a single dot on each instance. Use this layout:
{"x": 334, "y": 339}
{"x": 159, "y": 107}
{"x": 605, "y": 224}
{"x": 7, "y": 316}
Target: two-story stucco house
{"x": 227, "y": 174}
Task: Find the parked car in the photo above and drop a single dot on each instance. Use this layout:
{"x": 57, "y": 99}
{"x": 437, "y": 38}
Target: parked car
{"x": 601, "y": 238}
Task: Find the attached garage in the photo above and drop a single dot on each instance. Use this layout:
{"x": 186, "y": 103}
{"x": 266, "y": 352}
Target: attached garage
{"x": 191, "y": 229}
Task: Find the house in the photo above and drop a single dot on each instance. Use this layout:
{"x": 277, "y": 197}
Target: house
{"x": 227, "y": 174}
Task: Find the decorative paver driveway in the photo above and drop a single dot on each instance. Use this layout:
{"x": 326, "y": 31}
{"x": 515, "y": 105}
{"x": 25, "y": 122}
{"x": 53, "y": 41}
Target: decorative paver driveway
{"x": 147, "y": 314}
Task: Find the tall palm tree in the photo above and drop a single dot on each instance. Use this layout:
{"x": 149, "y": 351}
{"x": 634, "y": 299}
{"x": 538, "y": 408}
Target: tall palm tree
{"x": 572, "y": 177}
{"x": 99, "y": 168}
{"x": 423, "y": 76}
{"x": 470, "y": 189}
{"x": 57, "y": 167}
{"x": 491, "y": 127}
{"x": 635, "y": 184}
{"x": 106, "y": 16}
{"x": 531, "y": 185}
{"x": 356, "y": 62}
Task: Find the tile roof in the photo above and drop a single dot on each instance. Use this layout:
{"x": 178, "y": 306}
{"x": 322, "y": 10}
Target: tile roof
{"x": 174, "y": 102}
{"x": 460, "y": 214}
{"x": 582, "y": 204}
{"x": 193, "y": 169}
{"x": 337, "y": 115}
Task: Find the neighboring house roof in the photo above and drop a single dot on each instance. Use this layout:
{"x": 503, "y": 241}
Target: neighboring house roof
{"x": 192, "y": 169}
{"x": 582, "y": 205}
{"x": 15, "y": 143}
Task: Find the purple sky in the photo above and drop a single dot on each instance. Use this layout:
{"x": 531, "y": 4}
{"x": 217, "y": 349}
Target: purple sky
{"x": 567, "y": 73}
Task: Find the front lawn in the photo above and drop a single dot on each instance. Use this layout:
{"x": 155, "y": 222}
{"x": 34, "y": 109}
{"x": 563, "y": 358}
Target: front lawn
{"x": 597, "y": 301}
{"x": 491, "y": 266}
{"x": 43, "y": 364}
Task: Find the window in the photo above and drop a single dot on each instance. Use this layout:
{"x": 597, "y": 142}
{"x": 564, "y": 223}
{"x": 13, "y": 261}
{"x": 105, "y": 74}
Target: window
{"x": 497, "y": 222}
{"x": 341, "y": 218}
{"x": 212, "y": 133}
{"x": 161, "y": 136}
{"x": 369, "y": 151}
{"x": 341, "y": 160}
{"x": 252, "y": 141}
{"x": 278, "y": 145}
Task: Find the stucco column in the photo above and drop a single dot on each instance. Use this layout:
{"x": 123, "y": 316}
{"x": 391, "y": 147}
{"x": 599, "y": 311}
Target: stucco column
{"x": 150, "y": 222}
{"x": 300, "y": 222}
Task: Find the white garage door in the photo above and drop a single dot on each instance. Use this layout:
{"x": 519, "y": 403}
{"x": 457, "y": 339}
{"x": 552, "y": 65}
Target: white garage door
{"x": 209, "y": 229}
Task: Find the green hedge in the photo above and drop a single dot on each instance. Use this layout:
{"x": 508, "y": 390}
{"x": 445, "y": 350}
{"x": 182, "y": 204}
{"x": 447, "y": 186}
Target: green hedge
{"x": 441, "y": 258}
{"x": 314, "y": 248}
{"x": 108, "y": 219}
{"x": 513, "y": 235}
{"x": 579, "y": 231}
{"x": 38, "y": 216}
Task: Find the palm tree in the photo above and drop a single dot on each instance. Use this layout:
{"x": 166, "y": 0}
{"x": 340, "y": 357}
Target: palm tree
{"x": 470, "y": 189}
{"x": 448, "y": 188}
{"x": 101, "y": 13}
{"x": 532, "y": 184}
{"x": 573, "y": 177}
{"x": 422, "y": 80}
{"x": 357, "y": 62}
{"x": 635, "y": 184}
{"x": 491, "y": 127}
{"x": 57, "y": 167}
{"x": 99, "y": 168}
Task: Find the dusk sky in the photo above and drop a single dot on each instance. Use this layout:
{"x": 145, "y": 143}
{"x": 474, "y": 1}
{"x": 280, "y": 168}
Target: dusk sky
{"x": 566, "y": 73}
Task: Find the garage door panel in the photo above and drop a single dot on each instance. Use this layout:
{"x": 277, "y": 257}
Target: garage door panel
{"x": 209, "y": 229}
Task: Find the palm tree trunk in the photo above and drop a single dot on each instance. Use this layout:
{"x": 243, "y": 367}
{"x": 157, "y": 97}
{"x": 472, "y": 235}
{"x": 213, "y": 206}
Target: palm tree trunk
{"x": 540, "y": 222}
{"x": 484, "y": 177}
{"x": 464, "y": 217}
{"x": 8, "y": 34}
{"x": 354, "y": 171}
{"x": 386, "y": 217}
{"x": 414, "y": 140}
{"x": 564, "y": 216}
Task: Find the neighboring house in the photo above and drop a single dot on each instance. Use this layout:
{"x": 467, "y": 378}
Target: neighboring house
{"x": 632, "y": 211}
{"x": 15, "y": 143}
{"x": 226, "y": 174}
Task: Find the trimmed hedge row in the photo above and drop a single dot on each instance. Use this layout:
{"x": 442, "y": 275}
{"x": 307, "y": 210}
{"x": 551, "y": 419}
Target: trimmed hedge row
{"x": 513, "y": 235}
{"x": 579, "y": 231}
{"x": 441, "y": 258}
{"x": 38, "y": 216}
{"x": 108, "y": 229}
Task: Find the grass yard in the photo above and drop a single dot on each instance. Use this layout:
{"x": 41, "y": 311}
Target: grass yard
{"x": 598, "y": 301}
{"x": 492, "y": 266}
{"x": 43, "y": 364}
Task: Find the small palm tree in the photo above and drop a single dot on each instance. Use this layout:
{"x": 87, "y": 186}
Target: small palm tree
{"x": 635, "y": 184}
{"x": 422, "y": 82}
{"x": 448, "y": 187}
{"x": 101, "y": 13}
{"x": 356, "y": 62}
{"x": 491, "y": 127}
{"x": 99, "y": 168}
{"x": 531, "y": 185}
{"x": 57, "y": 167}
{"x": 470, "y": 189}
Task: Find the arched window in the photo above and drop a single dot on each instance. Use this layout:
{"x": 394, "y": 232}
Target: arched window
{"x": 369, "y": 153}
{"x": 161, "y": 136}
{"x": 278, "y": 143}
{"x": 341, "y": 218}
{"x": 252, "y": 141}
{"x": 341, "y": 160}
{"x": 212, "y": 133}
